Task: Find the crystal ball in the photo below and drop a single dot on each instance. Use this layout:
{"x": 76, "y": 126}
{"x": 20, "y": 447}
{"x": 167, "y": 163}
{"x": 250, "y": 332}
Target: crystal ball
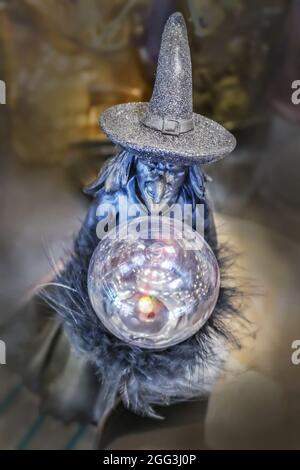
{"x": 153, "y": 288}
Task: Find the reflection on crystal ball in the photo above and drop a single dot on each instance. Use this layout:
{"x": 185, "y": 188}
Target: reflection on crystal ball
{"x": 150, "y": 289}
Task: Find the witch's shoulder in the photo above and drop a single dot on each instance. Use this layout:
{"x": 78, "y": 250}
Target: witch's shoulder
{"x": 104, "y": 197}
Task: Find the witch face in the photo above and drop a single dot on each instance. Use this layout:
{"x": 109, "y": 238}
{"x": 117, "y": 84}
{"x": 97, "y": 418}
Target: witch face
{"x": 159, "y": 183}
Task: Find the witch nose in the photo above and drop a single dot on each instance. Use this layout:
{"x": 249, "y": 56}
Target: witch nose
{"x": 158, "y": 190}
{"x": 157, "y": 171}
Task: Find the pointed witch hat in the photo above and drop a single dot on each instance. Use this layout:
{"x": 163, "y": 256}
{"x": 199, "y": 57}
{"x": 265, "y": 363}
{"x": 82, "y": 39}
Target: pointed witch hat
{"x": 166, "y": 127}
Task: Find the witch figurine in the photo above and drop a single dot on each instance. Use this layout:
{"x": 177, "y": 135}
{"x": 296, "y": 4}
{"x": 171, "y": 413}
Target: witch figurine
{"x": 137, "y": 318}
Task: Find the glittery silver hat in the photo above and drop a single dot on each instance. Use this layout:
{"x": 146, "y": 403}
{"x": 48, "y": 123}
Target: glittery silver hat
{"x": 166, "y": 127}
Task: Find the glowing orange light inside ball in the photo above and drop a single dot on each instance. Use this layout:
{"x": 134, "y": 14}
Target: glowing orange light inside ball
{"x": 147, "y": 305}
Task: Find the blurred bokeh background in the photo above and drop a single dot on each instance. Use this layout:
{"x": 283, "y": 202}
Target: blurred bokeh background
{"x": 63, "y": 63}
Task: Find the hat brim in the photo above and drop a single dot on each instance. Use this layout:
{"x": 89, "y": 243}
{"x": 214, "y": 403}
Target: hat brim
{"x": 207, "y": 142}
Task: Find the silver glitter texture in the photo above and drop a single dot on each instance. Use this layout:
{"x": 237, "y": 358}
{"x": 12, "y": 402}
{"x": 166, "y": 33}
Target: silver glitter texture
{"x": 173, "y": 93}
{"x": 171, "y": 99}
